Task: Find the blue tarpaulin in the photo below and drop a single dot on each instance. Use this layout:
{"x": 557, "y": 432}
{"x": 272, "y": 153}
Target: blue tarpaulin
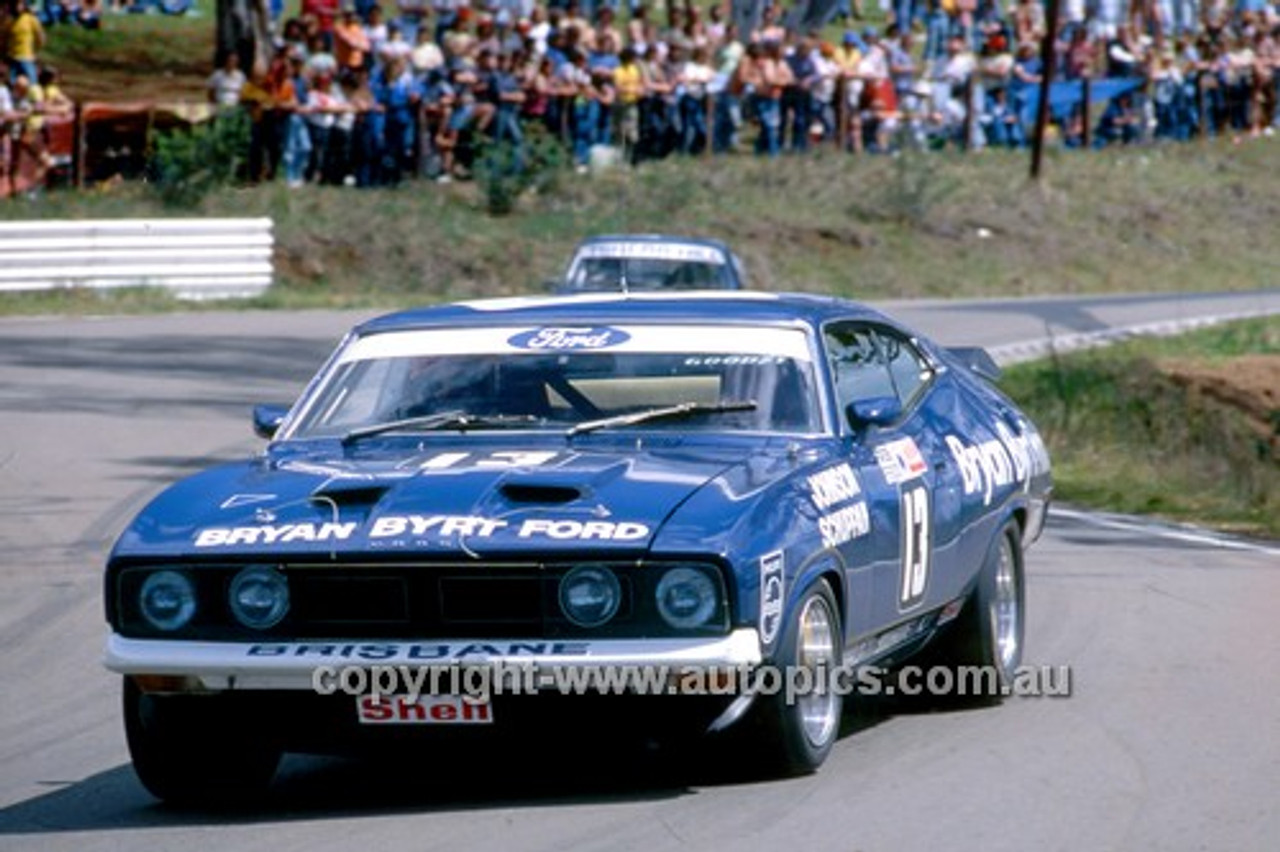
{"x": 1067, "y": 94}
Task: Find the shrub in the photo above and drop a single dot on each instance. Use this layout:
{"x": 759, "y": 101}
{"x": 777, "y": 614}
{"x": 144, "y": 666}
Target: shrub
{"x": 185, "y": 165}
{"x": 505, "y": 170}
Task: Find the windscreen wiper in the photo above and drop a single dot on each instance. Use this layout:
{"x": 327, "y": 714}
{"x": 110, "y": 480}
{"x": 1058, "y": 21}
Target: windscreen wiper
{"x": 682, "y": 409}
{"x": 459, "y": 420}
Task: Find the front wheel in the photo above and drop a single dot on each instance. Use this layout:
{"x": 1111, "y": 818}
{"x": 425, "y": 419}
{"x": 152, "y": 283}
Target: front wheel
{"x": 799, "y": 733}
{"x": 195, "y": 749}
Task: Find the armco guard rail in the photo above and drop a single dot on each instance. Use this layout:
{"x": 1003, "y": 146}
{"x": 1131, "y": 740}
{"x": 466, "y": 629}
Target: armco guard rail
{"x": 193, "y": 258}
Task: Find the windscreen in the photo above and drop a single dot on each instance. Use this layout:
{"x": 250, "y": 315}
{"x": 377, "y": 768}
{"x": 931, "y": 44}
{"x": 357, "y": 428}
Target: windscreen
{"x": 559, "y": 377}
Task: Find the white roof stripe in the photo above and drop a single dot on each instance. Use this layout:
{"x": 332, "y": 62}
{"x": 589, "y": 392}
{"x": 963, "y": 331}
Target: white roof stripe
{"x": 662, "y": 339}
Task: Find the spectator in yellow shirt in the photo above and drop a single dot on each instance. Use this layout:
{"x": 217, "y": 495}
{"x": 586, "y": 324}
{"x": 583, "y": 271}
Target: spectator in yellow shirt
{"x": 26, "y": 40}
{"x": 629, "y": 84}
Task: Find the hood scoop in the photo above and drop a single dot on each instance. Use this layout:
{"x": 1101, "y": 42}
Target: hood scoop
{"x": 349, "y": 495}
{"x": 539, "y": 493}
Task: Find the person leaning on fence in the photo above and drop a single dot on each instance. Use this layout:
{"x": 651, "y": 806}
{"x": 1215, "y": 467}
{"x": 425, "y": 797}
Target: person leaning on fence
{"x": 226, "y": 82}
{"x": 951, "y": 92}
{"x": 398, "y": 94}
{"x": 775, "y": 76}
{"x": 1266, "y": 75}
{"x": 797, "y": 101}
{"x": 629, "y": 84}
{"x": 657, "y": 122}
{"x": 694, "y": 77}
{"x": 728, "y": 99}
{"x": 823, "y": 95}
{"x": 10, "y": 118}
{"x": 1168, "y": 86}
{"x": 296, "y": 152}
{"x": 29, "y": 159}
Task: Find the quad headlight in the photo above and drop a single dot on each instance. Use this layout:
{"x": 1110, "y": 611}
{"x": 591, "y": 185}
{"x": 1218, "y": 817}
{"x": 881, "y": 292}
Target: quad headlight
{"x": 259, "y": 597}
{"x": 590, "y": 595}
{"x": 687, "y": 597}
{"x": 167, "y": 600}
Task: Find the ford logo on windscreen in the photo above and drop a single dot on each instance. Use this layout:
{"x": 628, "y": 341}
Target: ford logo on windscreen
{"x": 561, "y": 338}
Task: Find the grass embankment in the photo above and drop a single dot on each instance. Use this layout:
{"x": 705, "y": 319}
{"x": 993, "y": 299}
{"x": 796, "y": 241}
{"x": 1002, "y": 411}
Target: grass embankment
{"x": 1171, "y": 218}
{"x": 1186, "y": 428}
{"x": 136, "y": 56}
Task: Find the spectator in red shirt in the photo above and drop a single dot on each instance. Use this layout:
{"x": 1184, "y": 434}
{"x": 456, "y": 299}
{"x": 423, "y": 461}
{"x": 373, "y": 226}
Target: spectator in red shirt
{"x": 325, "y": 13}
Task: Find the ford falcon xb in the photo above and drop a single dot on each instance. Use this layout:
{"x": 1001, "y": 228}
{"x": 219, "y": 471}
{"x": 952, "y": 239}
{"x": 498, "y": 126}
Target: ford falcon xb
{"x": 662, "y": 484}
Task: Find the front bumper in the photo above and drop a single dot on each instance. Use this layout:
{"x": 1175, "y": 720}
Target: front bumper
{"x": 293, "y": 665}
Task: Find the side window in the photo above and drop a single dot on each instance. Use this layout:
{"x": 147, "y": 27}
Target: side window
{"x": 869, "y": 362}
{"x": 909, "y": 369}
{"x": 857, "y": 364}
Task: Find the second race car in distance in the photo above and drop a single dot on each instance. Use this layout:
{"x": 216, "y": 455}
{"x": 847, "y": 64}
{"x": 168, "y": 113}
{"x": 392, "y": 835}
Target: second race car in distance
{"x": 642, "y": 262}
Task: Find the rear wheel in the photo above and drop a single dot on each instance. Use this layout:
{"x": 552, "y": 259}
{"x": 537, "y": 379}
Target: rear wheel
{"x": 195, "y": 749}
{"x": 799, "y": 733}
{"x": 990, "y": 628}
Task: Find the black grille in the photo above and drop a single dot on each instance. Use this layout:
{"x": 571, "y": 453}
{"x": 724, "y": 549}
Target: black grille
{"x": 415, "y": 601}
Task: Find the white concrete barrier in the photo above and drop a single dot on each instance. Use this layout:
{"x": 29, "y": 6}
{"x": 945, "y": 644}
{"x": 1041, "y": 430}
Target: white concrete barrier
{"x": 194, "y": 258}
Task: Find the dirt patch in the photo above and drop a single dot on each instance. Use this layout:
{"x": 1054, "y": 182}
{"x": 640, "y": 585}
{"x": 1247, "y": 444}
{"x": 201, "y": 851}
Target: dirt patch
{"x": 1248, "y": 383}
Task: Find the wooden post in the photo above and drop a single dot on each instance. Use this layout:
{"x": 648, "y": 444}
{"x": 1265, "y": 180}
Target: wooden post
{"x": 709, "y": 110}
{"x": 1086, "y": 131}
{"x": 77, "y": 148}
{"x": 838, "y": 103}
{"x": 1202, "y": 131}
{"x": 967, "y": 128}
{"x": 842, "y": 113}
{"x": 1047, "y": 58}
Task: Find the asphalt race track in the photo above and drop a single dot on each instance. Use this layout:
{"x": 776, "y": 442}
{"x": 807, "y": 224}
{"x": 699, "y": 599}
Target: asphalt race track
{"x": 1170, "y": 739}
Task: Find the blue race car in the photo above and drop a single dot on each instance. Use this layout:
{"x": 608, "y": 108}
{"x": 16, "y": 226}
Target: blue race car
{"x": 642, "y": 262}
{"x": 669, "y": 504}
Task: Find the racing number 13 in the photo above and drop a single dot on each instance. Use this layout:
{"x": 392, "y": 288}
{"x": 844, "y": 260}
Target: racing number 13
{"x": 915, "y": 546}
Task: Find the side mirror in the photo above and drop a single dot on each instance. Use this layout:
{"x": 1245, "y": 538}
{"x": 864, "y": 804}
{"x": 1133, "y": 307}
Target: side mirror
{"x": 267, "y": 419}
{"x": 876, "y": 411}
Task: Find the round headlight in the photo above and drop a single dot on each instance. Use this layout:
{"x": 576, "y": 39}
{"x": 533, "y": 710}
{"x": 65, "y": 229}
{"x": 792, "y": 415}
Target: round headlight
{"x": 259, "y": 597}
{"x": 686, "y": 598}
{"x": 589, "y": 595}
{"x": 167, "y": 600}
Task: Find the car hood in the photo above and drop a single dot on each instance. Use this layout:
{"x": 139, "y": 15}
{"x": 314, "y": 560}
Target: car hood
{"x": 463, "y": 500}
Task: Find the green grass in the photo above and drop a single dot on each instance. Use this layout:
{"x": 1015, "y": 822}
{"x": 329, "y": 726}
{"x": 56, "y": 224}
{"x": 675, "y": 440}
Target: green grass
{"x": 1171, "y": 218}
{"x": 136, "y": 56}
{"x": 1125, "y": 435}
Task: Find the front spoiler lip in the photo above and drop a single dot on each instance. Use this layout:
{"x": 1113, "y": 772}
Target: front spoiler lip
{"x": 232, "y": 665}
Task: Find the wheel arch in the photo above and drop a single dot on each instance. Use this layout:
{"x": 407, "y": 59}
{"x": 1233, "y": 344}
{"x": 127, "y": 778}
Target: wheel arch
{"x": 823, "y": 565}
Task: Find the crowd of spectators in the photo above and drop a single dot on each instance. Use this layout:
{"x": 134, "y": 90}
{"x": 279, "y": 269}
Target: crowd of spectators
{"x": 367, "y": 95}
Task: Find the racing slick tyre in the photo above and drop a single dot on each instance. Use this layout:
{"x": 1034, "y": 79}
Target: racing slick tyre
{"x": 191, "y": 750}
{"x": 988, "y": 632}
{"x": 798, "y": 734}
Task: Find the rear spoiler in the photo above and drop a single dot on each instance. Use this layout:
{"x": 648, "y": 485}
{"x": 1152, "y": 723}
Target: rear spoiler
{"x": 978, "y": 360}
